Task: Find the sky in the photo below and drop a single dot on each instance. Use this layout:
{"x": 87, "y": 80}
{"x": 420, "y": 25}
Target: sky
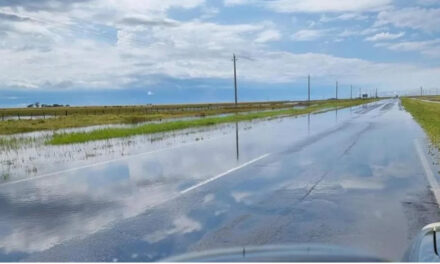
{"x": 117, "y": 52}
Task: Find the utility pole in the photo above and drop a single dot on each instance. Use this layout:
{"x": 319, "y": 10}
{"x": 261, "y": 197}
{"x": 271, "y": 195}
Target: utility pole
{"x": 234, "y": 59}
{"x": 376, "y": 93}
{"x": 337, "y": 90}
{"x": 351, "y": 92}
{"x": 421, "y": 90}
{"x": 308, "y": 92}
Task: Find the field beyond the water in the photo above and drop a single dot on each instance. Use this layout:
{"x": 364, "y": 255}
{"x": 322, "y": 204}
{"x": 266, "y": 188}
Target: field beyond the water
{"x": 22, "y": 120}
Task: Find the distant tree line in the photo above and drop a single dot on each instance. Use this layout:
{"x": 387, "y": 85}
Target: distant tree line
{"x": 37, "y": 105}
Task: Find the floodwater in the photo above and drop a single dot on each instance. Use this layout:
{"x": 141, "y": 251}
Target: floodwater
{"x": 349, "y": 177}
{"x": 34, "y": 158}
{"x": 6, "y": 118}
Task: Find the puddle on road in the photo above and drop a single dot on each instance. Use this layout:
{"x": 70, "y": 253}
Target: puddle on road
{"x": 144, "y": 171}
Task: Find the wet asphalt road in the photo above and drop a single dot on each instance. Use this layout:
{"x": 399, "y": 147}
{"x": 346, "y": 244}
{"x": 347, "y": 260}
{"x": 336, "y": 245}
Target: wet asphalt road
{"x": 350, "y": 177}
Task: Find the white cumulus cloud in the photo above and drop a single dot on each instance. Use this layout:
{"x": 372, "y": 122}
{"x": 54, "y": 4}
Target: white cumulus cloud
{"x": 309, "y": 34}
{"x": 268, "y": 35}
{"x": 385, "y": 36}
{"x": 426, "y": 19}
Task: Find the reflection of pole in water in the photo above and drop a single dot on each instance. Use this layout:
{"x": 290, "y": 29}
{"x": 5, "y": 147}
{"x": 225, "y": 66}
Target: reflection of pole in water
{"x": 308, "y": 124}
{"x": 236, "y": 141}
{"x": 336, "y": 114}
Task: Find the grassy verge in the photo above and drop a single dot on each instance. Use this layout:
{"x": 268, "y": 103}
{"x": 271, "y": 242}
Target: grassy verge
{"x": 427, "y": 115}
{"x": 108, "y": 133}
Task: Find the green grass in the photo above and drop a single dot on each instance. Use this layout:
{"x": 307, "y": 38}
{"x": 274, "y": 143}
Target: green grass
{"x": 427, "y": 114}
{"x": 108, "y": 133}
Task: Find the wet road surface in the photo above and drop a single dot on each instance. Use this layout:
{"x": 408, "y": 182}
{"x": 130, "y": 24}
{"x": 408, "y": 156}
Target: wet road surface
{"x": 351, "y": 177}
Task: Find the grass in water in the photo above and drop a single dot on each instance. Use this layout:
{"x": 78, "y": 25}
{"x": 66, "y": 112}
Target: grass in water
{"x": 427, "y": 114}
{"x": 108, "y": 133}
{"x": 13, "y": 142}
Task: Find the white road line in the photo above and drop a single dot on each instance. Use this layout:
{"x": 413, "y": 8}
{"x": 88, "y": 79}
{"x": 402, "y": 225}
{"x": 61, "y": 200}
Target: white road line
{"x": 177, "y": 195}
{"x": 50, "y": 174}
{"x": 429, "y": 174}
{"x": 224, "y": 173}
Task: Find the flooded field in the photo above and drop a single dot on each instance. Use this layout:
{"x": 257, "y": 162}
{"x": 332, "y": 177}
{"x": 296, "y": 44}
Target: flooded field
{"x": 27, "y": 155}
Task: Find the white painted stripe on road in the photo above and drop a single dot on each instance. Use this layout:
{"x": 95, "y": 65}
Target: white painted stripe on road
{"x": 50, "y": 174}
{"x": 429, "y": 174}
{"x": 224, "y": 173}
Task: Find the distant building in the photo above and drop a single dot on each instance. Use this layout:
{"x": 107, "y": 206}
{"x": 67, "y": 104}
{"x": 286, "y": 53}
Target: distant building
{"x": 364, "y": 96}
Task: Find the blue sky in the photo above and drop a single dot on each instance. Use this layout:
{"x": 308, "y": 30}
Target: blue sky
{"x": 90, "y": 52}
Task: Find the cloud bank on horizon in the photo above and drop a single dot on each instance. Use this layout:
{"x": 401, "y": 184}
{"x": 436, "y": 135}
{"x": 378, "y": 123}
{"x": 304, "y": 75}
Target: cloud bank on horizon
{"x": 121, "y": 44}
